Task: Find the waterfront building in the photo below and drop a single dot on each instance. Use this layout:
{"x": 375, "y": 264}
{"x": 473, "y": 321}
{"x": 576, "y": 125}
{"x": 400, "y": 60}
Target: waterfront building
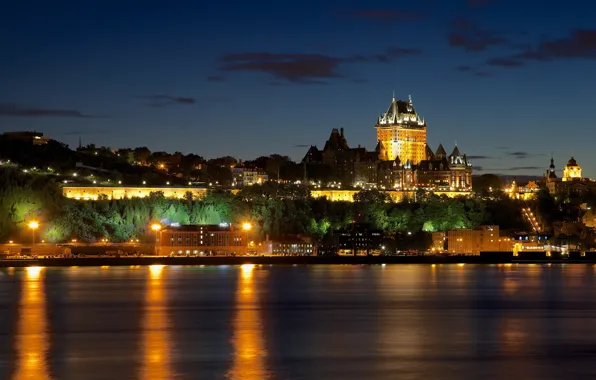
{"x": 358, "y": 239}
{"x": 202, "y": 240}
{"x": 473, "y": 241}
{"x": 294, "y": 246}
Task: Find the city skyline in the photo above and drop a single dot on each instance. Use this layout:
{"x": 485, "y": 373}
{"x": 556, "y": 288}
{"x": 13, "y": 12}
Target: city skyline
{"x": 511, "y": 87}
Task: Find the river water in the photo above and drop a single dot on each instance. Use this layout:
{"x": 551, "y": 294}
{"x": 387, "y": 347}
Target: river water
{"x": 300, "y": 322}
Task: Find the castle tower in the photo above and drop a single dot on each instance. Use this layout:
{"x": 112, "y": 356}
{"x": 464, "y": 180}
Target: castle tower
{"x": 572, "y": 171}
{"x": 550, "y": 173}
{"x": 401, "y": 133}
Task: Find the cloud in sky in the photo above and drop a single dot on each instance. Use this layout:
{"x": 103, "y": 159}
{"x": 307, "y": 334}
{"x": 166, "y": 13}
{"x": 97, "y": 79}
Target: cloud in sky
{"x": 579, "y": 44}
{"x": 166, "y": 100}
{"x": 15, "y": 110}
{"x": 522, "y": 155}
{"x": 304, "y": 68}
{"x": 468, "y": 35}
{"x": 479, "y": 157}
{"x": 84, "y": 132}
{"x": 517, "y": 168}
{"x": 504, "y": 62}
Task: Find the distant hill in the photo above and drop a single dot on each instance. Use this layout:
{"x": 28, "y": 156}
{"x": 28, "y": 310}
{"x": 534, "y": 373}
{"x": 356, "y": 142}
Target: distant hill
{"x": 521, "y": 178}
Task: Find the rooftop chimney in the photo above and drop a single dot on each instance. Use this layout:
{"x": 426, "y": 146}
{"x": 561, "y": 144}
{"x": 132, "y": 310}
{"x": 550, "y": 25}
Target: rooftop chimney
{"x": 341, "y": 132}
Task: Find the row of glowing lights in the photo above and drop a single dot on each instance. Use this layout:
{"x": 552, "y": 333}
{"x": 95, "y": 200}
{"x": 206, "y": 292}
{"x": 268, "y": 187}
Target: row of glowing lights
{"x": 530, "y": 216}
{"x": 108, "y": 180}
{"x": 157, "y": 268}
{"x": 144, "y": 182}
{"x": 33, "y": 225}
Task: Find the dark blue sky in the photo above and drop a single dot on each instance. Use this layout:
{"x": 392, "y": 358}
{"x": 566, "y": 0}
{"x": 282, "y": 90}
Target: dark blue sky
{"x": 510, "y": 81}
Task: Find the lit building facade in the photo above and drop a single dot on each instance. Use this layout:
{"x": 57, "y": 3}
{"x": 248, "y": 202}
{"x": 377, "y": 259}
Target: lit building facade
{"x": 243, "y": 176}
{"x": 206, "y": 240}
{"x": 473, "y": 241}
{"x": 94, "y": 193}
{"x": 292, "y": 247}
{"x": 572, "y": 181}
{"x": 254, "y": 177}
{"x": 401, "y": 133}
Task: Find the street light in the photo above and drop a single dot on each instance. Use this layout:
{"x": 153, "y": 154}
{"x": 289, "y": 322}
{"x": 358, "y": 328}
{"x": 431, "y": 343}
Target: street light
{"x": 33, "y": 225}
{"x": 246, "y": 227}
{"x": 156, "y": 227}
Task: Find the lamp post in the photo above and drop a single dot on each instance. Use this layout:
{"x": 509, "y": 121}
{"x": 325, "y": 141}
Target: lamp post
{"x": 156, "y": 227}
{"x": 246, "y": 227}
{"x": 33, "y": 225}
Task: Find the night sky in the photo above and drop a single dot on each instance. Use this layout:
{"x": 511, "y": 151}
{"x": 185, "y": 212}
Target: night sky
{"x": 510, "y": 81}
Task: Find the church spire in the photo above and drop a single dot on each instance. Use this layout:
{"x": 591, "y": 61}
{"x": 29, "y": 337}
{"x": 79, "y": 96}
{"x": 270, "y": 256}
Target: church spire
{"x": 393, "y": 97}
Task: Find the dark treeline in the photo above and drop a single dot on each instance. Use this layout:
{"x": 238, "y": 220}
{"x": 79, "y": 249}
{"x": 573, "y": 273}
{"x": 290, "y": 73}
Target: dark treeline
{"x": 274, "y": 209}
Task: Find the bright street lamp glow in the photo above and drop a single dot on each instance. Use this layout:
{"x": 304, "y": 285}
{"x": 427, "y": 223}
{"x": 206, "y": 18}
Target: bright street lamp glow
{"x": 33, "y": 225}
{"x": 246, "y": 226}
{"x": 156, "y": 227}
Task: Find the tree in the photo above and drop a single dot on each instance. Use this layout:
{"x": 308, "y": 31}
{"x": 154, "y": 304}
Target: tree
{"x": 142, "y": 154}
{"x": 371, "y": 197}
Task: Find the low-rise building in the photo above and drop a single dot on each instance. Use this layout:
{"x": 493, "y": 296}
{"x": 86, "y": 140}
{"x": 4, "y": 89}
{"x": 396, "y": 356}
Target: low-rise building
{"x": 254, "y": 177}
{"x": 202, "y": 240}
{"x": 294, "y": 246}
{"x": 358, "y": 239}
{"x": 473, "y": 241}
{"x": 35, "y": 138}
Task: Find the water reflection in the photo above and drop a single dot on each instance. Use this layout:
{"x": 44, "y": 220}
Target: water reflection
{"x": 32, "y": 340}
{"x": 156, "y": 340}
{"x": 249, "y": 348}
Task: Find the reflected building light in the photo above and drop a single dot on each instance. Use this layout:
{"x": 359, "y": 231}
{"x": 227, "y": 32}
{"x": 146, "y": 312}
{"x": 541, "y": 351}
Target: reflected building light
{"x": 156, "y": 324}
{"x": 32, "y": 338}
{"x": 249, "y": 347}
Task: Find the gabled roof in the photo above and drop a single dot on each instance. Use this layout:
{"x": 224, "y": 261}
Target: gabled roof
{"x": 336, "y": 141}
{"x": 434, "y": 165}
{"x": 313, "y": 155}
{"x": 440, "y": 151}
{"x": 379, "y": 147}
{"x": 429, "y": 153}
{"x": 455, "y": 152}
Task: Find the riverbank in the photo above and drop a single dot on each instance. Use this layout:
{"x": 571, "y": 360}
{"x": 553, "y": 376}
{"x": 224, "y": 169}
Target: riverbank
{"x": 285, "y": 260}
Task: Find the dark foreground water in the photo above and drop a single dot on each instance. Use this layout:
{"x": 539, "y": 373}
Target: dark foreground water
{"x": 315, "y": 322}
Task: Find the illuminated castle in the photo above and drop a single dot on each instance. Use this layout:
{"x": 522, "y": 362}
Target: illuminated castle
{"x": 401, "y": 133}
{"x": 402, "y": 159}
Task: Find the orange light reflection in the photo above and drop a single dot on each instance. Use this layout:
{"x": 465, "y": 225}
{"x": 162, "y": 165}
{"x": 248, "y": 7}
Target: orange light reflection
{"x": 32, "y": 340}
{"x": 249, "y": 346}
{"x": 156, "y": 324}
